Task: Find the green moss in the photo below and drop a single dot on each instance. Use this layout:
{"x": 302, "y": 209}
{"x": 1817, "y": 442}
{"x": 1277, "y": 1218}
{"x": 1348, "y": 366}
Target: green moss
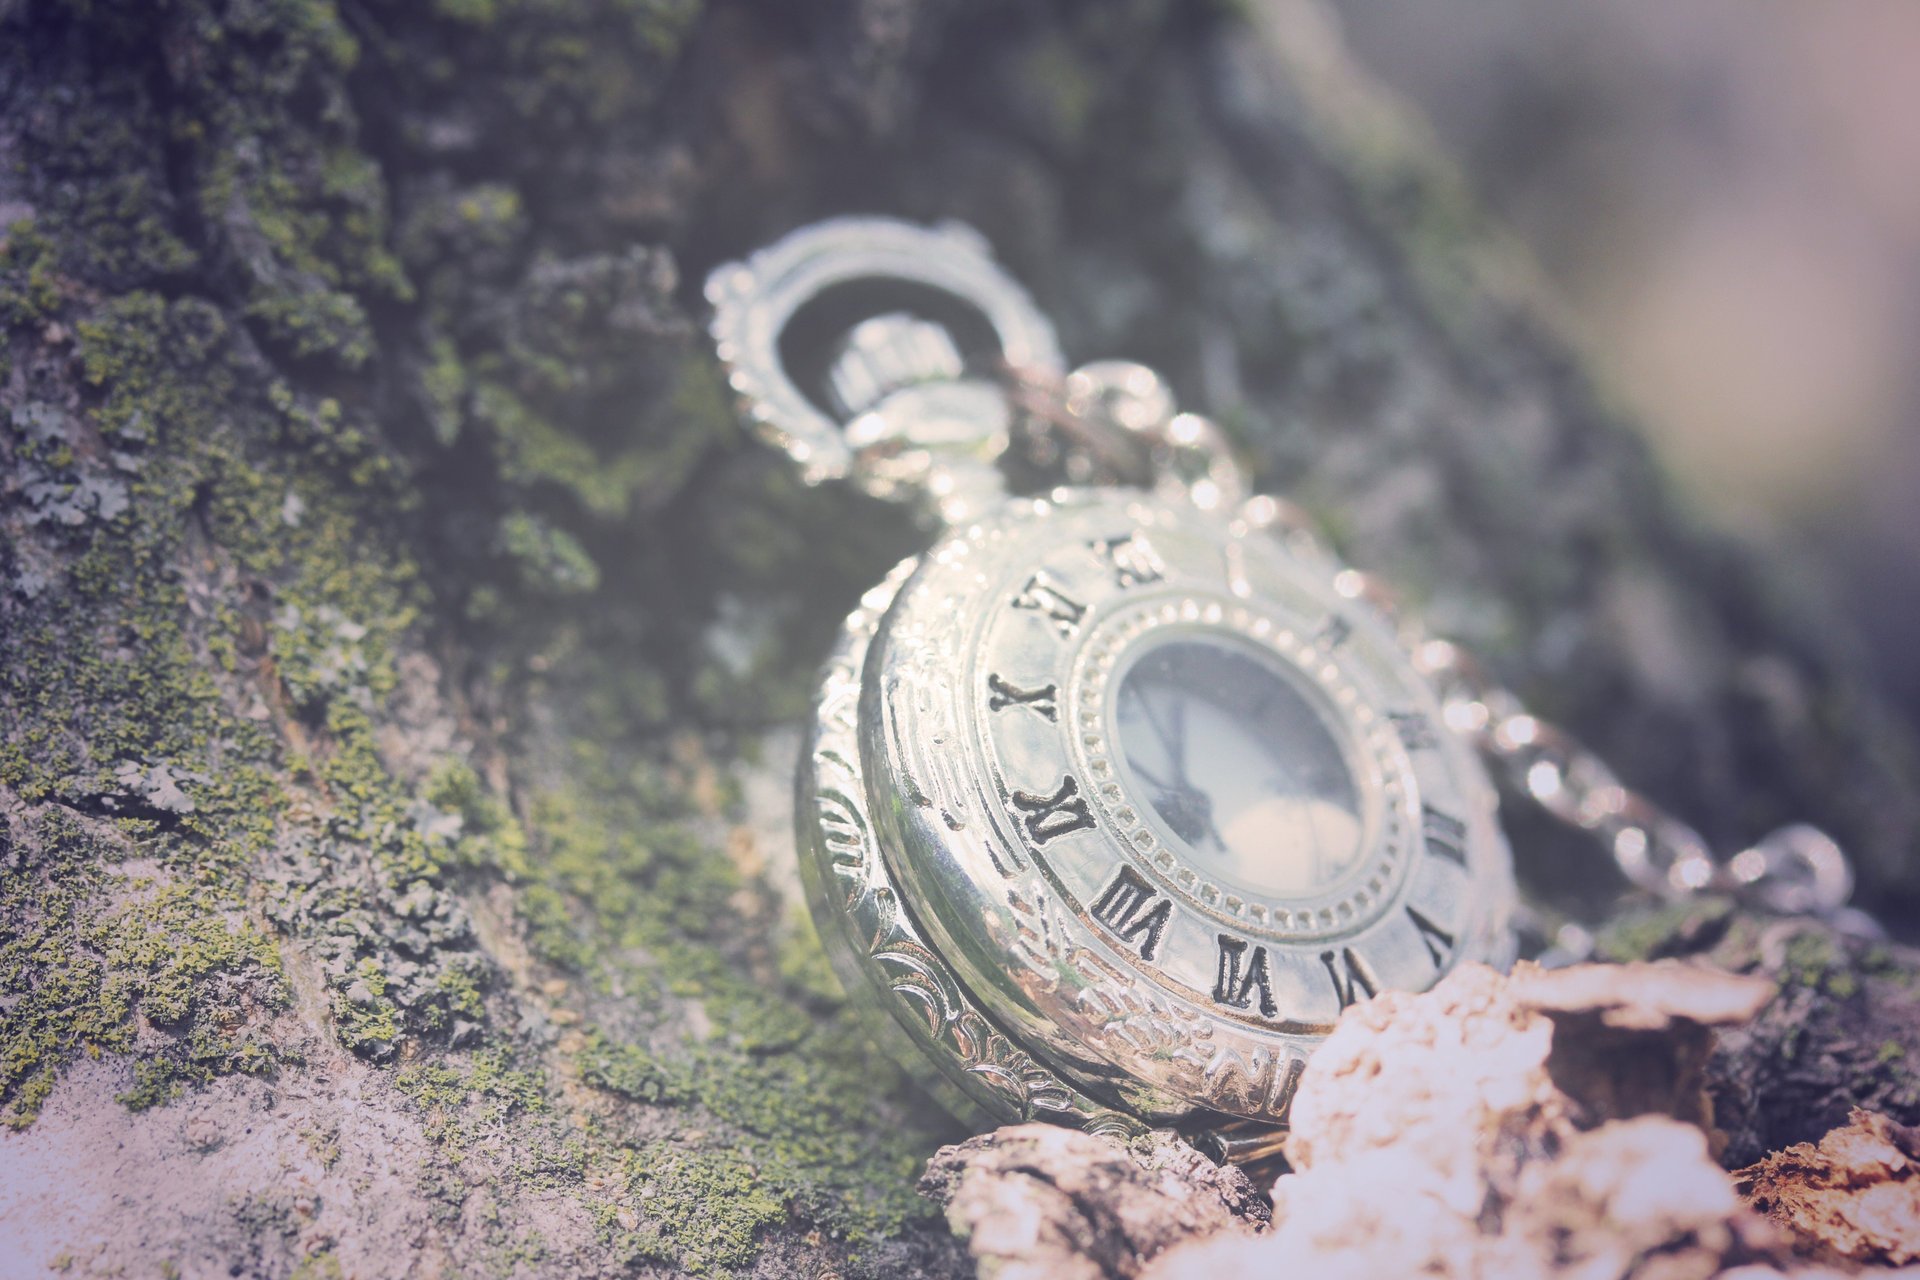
{"x": 220, "y": 636}
{"x": 782, "y": 1069}
{"x": 631, "y": 1072}
{"x": 702, "y": 1209}
{"x": 490, "y": 835}
{"x": 29, "y": 281}
{"x": 318, "y": 1266}
{"x": 367, "y": 1021}
{"x": 94, "y": 160}
{"x": 1810, "y": 961}
{"x": 111, "y": 707}
{"x": 463, "y": 1099}
{"x": 548, "y": 557}
{"x": 432, "y": 1085}
{"x": 1660, "y": 929}
{"x": 90, "y": 954}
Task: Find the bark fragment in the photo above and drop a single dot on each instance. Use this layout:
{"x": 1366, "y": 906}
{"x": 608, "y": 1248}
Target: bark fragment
{"x": 1039, "y": 1202}
{"x": 1494, "y": 1126}
{"x": 1853, "y": 1197}
{"x": 1451, "y": 1133}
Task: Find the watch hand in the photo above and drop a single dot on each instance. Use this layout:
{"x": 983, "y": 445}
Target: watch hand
{"x": 1178, "y": 748}
{"x": 1213, "y": 831}
{"x": 1152, "y": 779}
{"x": 1174, "y": 740}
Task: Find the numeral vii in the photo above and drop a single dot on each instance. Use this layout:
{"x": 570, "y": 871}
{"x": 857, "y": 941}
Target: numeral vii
{"x": 1042, "y": 596}
{"x": 1135, "y": 913}
{"x": 1050, "y": 817}
{"x": 1350, "y": 975}
{"x": 1243, "y": 971}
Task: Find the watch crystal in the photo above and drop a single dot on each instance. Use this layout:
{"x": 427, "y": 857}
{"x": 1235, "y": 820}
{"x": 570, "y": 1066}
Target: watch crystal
{"x": 1240, "y": 765}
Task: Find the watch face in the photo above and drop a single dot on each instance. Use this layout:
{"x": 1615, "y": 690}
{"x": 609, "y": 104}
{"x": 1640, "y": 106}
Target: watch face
{"x": 1164, "y": 799}
{"x": 1240, "y": 763}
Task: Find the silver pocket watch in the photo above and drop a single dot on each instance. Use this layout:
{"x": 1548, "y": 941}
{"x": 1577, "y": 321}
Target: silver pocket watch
{"x": 1117, "y": 795}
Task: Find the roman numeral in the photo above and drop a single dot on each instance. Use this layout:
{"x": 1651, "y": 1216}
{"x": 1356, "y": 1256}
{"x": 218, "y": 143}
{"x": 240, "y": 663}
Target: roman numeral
{"x": 1445, "y": 835}
{"x": 1415, "y": 729}
{"x": 1349, "y": 976}
{"x": 1050, "y": 817}
{"x": 1243, "y": 967}
{"x": 1439, "y": 941}
{"x": 1332, "y": 633}
{"x": 1123, "y": 906}
{"x": 1042, "y": 596}
{"x": 1041, "y": 701}
{"x": 1132, "y": 559}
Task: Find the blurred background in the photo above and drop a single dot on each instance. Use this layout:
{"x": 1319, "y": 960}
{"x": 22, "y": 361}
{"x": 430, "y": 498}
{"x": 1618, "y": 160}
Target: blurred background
{"x": 1725, "y": 195}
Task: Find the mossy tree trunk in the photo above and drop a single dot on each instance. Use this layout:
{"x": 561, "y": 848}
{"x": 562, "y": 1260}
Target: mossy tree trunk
{"x": 401, "y": 642}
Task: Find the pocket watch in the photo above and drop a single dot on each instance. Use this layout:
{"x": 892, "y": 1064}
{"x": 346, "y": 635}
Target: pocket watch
{"x": 1121, "y": 791}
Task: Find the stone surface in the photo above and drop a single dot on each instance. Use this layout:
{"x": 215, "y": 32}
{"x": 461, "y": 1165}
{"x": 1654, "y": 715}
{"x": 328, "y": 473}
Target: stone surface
{"x": 392, "y": 610}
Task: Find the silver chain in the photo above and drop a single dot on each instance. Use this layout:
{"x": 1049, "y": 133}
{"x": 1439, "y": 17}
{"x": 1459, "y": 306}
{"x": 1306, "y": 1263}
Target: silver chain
{"x": 1115, "y": 422}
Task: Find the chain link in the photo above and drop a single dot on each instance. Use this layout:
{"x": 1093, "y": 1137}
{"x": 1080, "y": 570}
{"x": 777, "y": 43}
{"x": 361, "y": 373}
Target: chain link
{"x": 1116, "y": 422}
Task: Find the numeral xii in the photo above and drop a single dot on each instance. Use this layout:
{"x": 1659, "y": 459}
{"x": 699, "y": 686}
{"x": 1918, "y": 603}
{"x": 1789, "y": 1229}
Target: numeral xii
{"x": 1042, "y": 596}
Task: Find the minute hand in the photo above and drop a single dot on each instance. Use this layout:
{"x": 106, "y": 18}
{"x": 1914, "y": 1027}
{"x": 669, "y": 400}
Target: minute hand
{"x": 1174, "y": 739}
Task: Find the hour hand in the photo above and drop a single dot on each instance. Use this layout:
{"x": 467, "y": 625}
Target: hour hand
{"x": 1172, "y": 732}
{"x": 1189, "y": 811}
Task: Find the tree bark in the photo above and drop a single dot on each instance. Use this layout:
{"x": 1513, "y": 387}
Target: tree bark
{"x": 402, "y": 643}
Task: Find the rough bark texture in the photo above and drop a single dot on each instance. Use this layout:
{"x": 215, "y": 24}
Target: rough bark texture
{"x": 1548, "y": 1125}
{"x": 393, "y": 617}
{"x": 1854, "y": 1198}
{"x": 1036, "y": 1202}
